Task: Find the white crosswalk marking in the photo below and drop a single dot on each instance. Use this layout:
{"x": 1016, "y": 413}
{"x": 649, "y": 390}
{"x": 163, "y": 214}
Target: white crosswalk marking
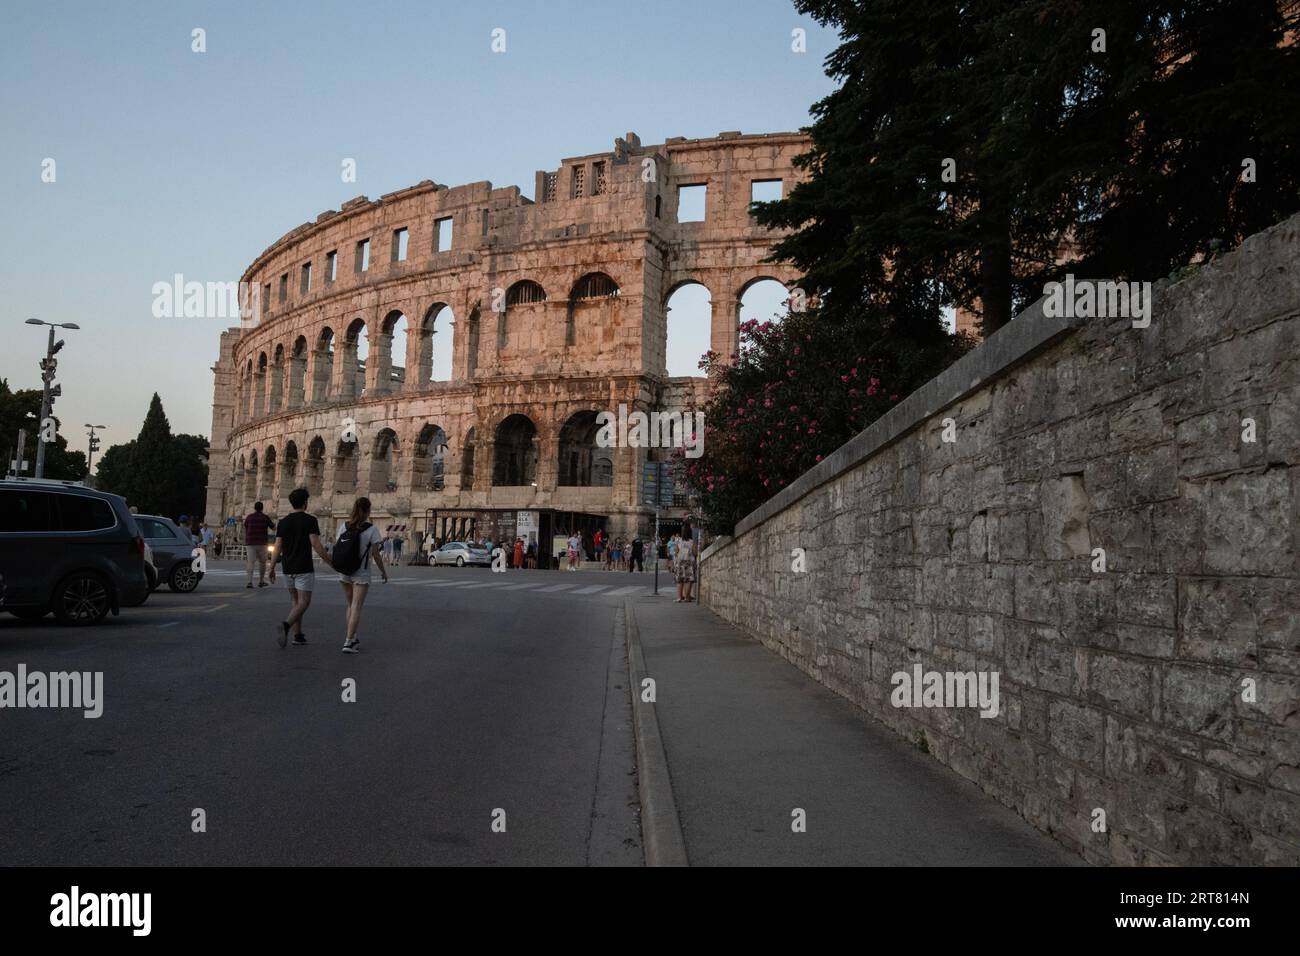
{"x": 485, "y": 584}
{"x": 593, "y": 589}
{"x": 519, "y": 587}
{"x": 628, "y": 590}
{"x": 557, "y": 587}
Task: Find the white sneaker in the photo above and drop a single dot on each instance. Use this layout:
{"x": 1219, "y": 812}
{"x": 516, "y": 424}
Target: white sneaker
{"x": 351, "y": 647}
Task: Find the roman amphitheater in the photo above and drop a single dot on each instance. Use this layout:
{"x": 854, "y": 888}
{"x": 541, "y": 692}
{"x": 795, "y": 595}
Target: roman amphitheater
{"x": 515, "y": 322}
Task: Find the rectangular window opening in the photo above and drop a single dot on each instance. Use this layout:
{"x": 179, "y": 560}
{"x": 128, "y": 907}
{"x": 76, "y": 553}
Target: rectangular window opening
{"x": 765, "y": 190}
{"x": 690, "y": 202}
{"x": 400, "y": 237}
{"x": 363, "y": 255}
{"x": 331, "y": 265}
{"x": 442, "y": 234}
{"x": 305, "y": 286}
{"x": 284, "y": 288}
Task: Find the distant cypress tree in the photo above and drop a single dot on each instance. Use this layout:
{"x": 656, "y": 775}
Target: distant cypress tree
{"x": 151, "y": 480}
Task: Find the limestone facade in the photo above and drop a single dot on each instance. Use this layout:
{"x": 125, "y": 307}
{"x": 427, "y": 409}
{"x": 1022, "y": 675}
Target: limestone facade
{"x": 1107, "y": 517}
{"x": 553, "y": 310}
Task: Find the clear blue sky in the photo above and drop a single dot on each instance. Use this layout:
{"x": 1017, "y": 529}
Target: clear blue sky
{"x": 172, "y": 161}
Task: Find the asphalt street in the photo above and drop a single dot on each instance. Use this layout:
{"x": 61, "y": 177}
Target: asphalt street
{"x": 492, "y": 724}
{"x": 475, "y": 693}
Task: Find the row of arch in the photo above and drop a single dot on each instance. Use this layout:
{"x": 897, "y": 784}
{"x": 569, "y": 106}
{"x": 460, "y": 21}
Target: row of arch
{"x": 511, "y": 457}
{"x": 336, "y": 368}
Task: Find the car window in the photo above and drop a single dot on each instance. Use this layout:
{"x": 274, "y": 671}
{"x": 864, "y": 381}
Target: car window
{"x": 23, "y": 510}
{"x": 150, "y": 528}
{"x": 82, "y": 513}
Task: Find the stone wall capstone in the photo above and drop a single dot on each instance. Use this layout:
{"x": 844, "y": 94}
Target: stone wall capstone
{"x": 1164, "y": 690}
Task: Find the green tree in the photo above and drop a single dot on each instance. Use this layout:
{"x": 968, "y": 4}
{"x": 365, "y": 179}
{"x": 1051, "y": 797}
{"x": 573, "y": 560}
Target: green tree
{"x": 158, "y": 472}
{"x": 113, "y": 473}
{"x": 1125, "y": 162}
{"x": 21, "y": 410}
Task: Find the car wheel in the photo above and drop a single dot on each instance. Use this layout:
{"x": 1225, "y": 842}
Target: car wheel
{"x": 184, "y": 578}
{"x": 82, "y": 598}
{"x": 460, "y": 562}
{"x": 29, "y": 613}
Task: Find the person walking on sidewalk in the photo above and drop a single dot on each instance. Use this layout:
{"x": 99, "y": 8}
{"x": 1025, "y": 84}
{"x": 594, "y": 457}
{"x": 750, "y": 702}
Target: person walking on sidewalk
{"x": 256, "y": 528}
{"x": 685, "y": 568}
{"x": 574, "y": 543}
{"x": 358, "y": 547}
{"x": 299, "y": 536}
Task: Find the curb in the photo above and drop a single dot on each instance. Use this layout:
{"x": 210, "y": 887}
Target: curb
{"x": 661, "y": 829}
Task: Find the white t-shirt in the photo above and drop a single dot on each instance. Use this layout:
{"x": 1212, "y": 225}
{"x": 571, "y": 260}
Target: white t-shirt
{"x": 370, "y": 537}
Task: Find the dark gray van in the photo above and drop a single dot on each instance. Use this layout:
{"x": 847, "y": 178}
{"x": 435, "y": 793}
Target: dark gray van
{"x": 68, "y": 549}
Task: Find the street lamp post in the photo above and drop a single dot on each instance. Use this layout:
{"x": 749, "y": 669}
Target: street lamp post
{"x": 92, "y": 447}
{"x": 50, "y": 390}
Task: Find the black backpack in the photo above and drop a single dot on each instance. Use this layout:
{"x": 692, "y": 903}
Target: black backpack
{"x": 347, "y": 554}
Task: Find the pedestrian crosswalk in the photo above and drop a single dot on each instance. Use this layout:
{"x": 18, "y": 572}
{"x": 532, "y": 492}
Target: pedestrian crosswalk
{"x": 503, "y": 582}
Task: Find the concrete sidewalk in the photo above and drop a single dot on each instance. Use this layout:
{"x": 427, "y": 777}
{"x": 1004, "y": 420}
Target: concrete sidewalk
{"x": 749, "y": 738}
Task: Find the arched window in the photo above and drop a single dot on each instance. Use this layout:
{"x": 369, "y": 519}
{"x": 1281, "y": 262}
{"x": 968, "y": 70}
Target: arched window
{"x": 578, "y": 452}
{"x": 396, "y": 328}
{"x": 315, "y": 467}
{"x": 430, "y": 452}
{"x": 289, "y": 466}
{"x": 356, "y": 351}
{"x": 266, "y": 482}
{"x": 345, "y": 468}
{"x": 467, "y": 460}
{"x": 383, "y": 473}
{"x": 297, "y": 372}
{"x": 259, "y": 387}
{"x": 515, "y": 452}
{"x": 436, "y": 342}
{"x": 322, "y": 375}
{"x": 688, "y": 326}
{"x": 587, "y": 293}
{"x": 251, "y": 478}
{"x": 523, "y": 293}
{"x": 762, "y": 299}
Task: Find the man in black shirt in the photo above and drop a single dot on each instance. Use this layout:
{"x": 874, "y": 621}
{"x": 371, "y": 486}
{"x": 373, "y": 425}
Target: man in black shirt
{"x": 297, "y": 535}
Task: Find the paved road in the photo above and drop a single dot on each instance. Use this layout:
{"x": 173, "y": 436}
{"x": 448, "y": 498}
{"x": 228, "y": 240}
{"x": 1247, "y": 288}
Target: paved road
{"x": 475, "y": 692}
{"x": 470, "y": 698}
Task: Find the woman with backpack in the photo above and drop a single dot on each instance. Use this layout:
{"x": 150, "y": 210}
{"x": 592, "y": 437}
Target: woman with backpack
{"x": 359, "y": 545}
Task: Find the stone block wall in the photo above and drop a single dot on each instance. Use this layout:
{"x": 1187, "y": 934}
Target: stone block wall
{"x": 1126, "y": 690}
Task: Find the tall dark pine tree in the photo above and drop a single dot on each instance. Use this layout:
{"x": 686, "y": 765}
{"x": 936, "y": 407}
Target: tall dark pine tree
{"x": 151, "y": 480}
{"x": 975, "y": 150}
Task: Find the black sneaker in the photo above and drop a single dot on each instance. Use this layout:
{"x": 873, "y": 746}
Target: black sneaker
{"x": 249, "y": 584}
{"x": 351, "y": 647}
{"x": 281, "y": 633}
{"x": 299, "y": 641}
{"x": 260, "y": 584}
